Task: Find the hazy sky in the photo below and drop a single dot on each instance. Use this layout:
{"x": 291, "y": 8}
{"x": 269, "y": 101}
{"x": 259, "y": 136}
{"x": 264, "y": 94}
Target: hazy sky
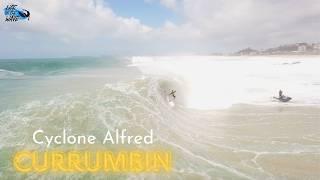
{"x": 155, "y": 27}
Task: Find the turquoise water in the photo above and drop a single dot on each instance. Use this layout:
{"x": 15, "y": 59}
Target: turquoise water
{"x": 24, "y": 80}
{"x": 52, "y": 66}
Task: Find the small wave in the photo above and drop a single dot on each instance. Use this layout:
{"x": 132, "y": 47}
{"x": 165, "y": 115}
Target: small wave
{"x": 5, "y": 74}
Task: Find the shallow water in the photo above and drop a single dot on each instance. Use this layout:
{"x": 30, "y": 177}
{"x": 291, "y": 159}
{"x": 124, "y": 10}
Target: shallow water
{"x": 241, "y": 140}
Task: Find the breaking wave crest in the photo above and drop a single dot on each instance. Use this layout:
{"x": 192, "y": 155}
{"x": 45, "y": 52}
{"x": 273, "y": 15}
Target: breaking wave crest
{"x": 5, "y": 74}
{"x": 219, "y": 82}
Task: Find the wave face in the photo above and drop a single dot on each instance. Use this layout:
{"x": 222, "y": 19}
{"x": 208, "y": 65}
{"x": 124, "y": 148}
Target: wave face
{"x": 241, "y": 142}
{"x": 138, "y": 106}
{"x": 220, "y": 82}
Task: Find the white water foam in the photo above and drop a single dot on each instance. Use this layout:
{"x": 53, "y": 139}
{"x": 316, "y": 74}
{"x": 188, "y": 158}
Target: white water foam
{"x": 219, "y": 82}
{"x": 5, "y": 74}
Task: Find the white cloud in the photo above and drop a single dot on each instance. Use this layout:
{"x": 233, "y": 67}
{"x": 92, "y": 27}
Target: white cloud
{"x": 82, "y": 19}
{"x": 206, "y": 26}
{"x": 171, "y": 4}
{"x": 254, "y": 22}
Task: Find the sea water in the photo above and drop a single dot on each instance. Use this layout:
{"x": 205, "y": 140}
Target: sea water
{"x": 224, "y": 123}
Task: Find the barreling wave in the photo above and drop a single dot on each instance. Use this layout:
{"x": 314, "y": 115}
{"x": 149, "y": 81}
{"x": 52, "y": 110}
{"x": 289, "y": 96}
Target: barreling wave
{"x": 138, "y": 106}
{"x": 112, "y": 105}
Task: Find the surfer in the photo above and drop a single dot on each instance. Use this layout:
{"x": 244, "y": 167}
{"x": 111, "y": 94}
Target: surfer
{"x": 173, "y": 94}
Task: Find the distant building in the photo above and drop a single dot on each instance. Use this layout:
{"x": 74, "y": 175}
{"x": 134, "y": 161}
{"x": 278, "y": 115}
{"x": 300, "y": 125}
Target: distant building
{"x": 248, "y": 51}
{"x": 296, "y": 48}
{"x": 302, "y": 47}
{"x": 316, "y": 46}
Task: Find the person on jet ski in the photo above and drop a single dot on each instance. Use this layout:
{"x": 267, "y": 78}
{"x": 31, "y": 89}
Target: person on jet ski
{"x": 173, "y": 94}
{"x": 280, "y": 94}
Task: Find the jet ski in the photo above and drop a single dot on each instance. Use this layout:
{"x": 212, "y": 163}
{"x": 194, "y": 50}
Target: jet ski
{"x": 283, "y": 98}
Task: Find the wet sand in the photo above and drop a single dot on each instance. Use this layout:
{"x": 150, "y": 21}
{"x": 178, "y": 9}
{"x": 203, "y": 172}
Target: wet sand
{"x": 258, "y": 142}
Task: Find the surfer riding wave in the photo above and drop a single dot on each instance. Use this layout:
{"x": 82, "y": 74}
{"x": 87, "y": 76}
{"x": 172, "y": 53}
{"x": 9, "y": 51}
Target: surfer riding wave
{"x": 173, "y": 94}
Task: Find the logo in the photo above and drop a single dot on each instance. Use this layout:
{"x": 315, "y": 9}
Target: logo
{"x": 14, "y": 13}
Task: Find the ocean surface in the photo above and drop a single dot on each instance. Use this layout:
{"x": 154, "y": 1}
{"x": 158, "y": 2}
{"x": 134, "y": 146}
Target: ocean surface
{"x": 224, "y": 123}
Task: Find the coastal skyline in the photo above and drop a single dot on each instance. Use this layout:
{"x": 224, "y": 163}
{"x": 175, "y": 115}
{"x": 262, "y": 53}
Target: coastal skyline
{"x": 155, "y": 27}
